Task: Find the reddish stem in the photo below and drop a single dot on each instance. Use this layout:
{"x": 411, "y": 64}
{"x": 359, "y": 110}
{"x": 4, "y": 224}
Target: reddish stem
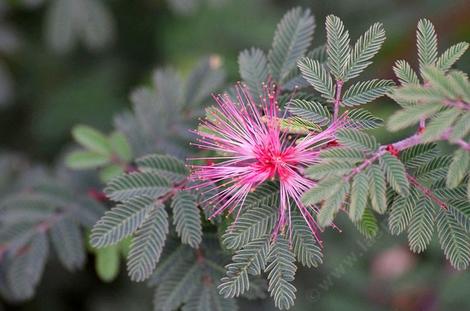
{"x": 42, "y": 227}
{"x": 97, "y": 195}
{"x": 199, "y": 256}
{"x": 407, "y": 142}
{"x": 403, "y": 144}
{"x": 126, "y": 167}
{"x": 427, "y": 192}
{"x": 422, "y": 126}
{"x": 459, "y": 104}
{"x": 176, "y": 187}
{"x": 463, "y": 144}
{"x": 365, "y": 164}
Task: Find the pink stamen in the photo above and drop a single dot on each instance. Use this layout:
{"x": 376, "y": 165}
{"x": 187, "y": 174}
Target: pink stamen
{"x": 251, "y": 149}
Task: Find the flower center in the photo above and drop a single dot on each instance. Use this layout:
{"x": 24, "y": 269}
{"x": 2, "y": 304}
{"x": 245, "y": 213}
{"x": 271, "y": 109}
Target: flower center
{"x": 275, "y": 162}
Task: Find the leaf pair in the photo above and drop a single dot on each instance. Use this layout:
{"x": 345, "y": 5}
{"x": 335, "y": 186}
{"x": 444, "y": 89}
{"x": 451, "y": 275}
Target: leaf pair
{"x": 48, "y": 213}
{"x": 292, "y": 38}
{"x": 420, "y": 212}
{"x": 142, "y": 213}
{"x": 256, "y": 251}
{"x": 162, "y": 112}
{"x": 69, "y": 22}
{"x": 343, "y": 62}
{"x": 349, "y": 178}
{"x": 111, "y": 154}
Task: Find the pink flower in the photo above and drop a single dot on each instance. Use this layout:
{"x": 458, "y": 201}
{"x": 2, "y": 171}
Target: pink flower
{"x": 252, "y": 148}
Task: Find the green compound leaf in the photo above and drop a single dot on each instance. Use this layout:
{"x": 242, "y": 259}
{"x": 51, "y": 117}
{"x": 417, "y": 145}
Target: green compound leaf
{"x": 426, "y": 40}
{"x": 357, "y": 140}
{"x": 126, "y": 187}
{"x": 402, "y": 211}
{"x": 337, "y": 46}
{"x": 187, "y": 218}
{"x": 91, "y": 139}
{"x": 67, "y": 241}
{"x": 305, "y": 247}
{"x": 395, "y": 174}
{"x": 454, "y": 240}
{"x": 121, "y": 221}
{"x": 86, "y": 160}
{"x": 359, "y": 192}
{"x": 421, "y": 225}
{"x": 411, "y": 115}
{"x": 107, "y": 263}
{"x": 368, "y": 225}
{"x": 120, "y": 146}
{"x": 323, "y": 190}
{"x": 362, "y": 119}
{"x": 405, "y": 73}
{"x": 332, "y": 205}
{"x": 451, "y": 56}
{"x": 147, "y": 245}
{"x": 292, "y": 38}
{"x": 254, "y": 71}
{"x": 250, "y": 260}
{"x": 377, "y": 189}
{"x": 459, "y": 167}
{"x": 366, "y": 91}
{"x": 315, "y": 74}
{"x": 281, "y": 272}
{"x": 167, "y": 166}
{"x": 309, "y": 110}
{"x": 364, "y": 50}
{"x": 251, "y": 225}
{"x": 25, "y": 271}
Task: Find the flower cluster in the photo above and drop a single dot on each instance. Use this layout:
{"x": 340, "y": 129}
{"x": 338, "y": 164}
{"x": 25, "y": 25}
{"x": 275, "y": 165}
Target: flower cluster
{"x": 252, "y": 147}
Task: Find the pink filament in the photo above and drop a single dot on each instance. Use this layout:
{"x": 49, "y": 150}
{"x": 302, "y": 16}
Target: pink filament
{"x": 251, "y": 149}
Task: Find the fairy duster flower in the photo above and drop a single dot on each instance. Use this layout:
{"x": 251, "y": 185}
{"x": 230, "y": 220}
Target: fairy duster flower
{"x": 251, "y": 147}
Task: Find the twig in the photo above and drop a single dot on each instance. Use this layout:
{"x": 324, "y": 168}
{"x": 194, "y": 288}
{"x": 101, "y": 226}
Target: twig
{"x": 366, "y": 163}
{"x": 176, "y": 187}
{"x": 427, "y": 192}
{"x": 401, "y": 145}
{"x": 459, "y": 104}
{"x": 463, "y": 144}
{"x": 41, "y": 227}
{"x": 126, "y": 167}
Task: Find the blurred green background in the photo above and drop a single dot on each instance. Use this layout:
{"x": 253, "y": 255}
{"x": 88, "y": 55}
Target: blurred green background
{"x": 53, "y": 77}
